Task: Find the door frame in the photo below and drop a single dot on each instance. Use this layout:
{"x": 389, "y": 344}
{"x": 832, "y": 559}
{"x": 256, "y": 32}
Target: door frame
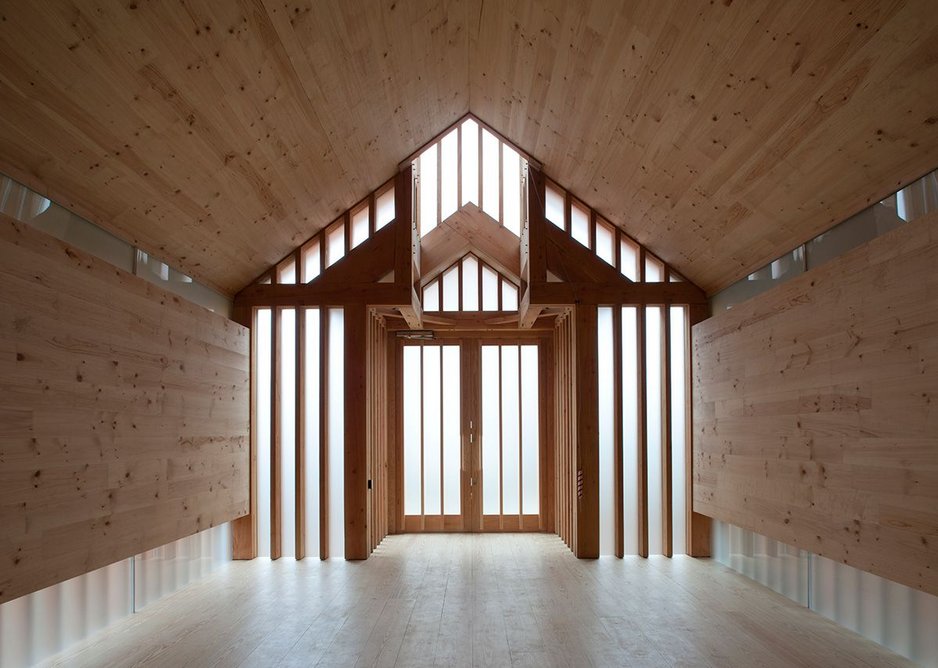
{"x": 470, "y": 344}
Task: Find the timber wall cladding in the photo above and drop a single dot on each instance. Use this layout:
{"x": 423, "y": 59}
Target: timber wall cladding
{"x": 123, "y": 414}
{"x": 816, "y": 409}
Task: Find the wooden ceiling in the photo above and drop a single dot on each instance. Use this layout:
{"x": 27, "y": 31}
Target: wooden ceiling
{"x": 220, "y": 135}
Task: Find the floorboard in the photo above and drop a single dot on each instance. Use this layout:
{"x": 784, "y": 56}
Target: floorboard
{"x": 476, "y": 600}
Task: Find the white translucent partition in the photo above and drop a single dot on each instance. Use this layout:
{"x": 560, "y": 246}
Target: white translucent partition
{"x": 36, "y": 626}
{"x": 898, "y": 617}
{"x": 470, "y": 162}
{"x": 509, "y": 297}
{"x": 489, "y": 290}
{"x": 580, "y": 224}
{"x": 384, "y": 208}
{"x": 451, "y": 289}
{"x": 530, "y": 431}
{"x": 510, "y": 430}
{"x": 470, "y": 284}
{"x": 428, "y": 202}
{"x": 432, "y": 422}
{"x": 490, "y": 171}
{"x": 491, "y": 419}
{"x": 360, "y": 223}
{"x": 169, "y": 568}
{"x": 312, "y": 261}
{"x": 287, "y": 381}
{"x": 413, "y": 419}
{"x": 606, "y": 414}
{"x": 630, "y": 425}
{"x": 605, "y": 243}
{"x": 312, "y": 371}
{"x": 554, "y": 206}
{"x": 335, "y": 244}
{"x": 449, "y": 174}
{"x": 451, "y": 432}
{"x": 678, "y": 324}
{"x": 336, "y": 430}
{"x": 653, "y": 379}
{"x": 431, "y": 296}
{"x": 511, "y": 189}
{"x": 629, "y": 255}
{"x": 262, "y": 370}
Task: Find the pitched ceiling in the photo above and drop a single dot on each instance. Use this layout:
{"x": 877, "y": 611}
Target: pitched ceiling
{"x": 220, "y": 135}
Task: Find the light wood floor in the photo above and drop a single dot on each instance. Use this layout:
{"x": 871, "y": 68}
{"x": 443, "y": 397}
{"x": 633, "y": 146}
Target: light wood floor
{"x": 483, "y": 600}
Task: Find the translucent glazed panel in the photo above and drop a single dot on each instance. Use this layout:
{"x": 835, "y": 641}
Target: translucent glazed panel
{"x": 470, "y": 162}
{"x": 428, "y": 190}
{"x": 413, "y": 418}
{"x": 384, "y": 208}
{"x": 449, "y": 174}
{"x": 432, "y": 431}
{"x": 491, "y": 418}
{"x": 287, "y": 431}
{"x": 628, "y": 258}
{"x": 489, "y": 289}
{"x": 779, "y": 271}
{"x": 312, "y": 261}
{"x": 286, "y": 272}
{"x": 511, "y": 431}
{"x": 451, "y": 432}
{"x": 451, "y": 289}
{"x": 490, "y": 181}
{"x": 262, "y": 369}
{"x": 360, "y": 223}
{"x": 530, "y": 432}
{"x": 554, "y": 206}
{"x": 313, "y": 388}
{"x": 605, "y": 243}
{"x": 654, "y": 269}
{"x": 336, "y": 389}
{"x": 511, "y": 189}
{"x": 678, "y": 315}
{"x": 470, "y": 284}
{"x": 509, "y": 297}
{"x": 580, "y": 224}
{"x": 606, "y": 412}
{"x": 431, "y": 296}
{"x": 630, "y": 426}
{"x": 335, "y": 244}
{"x": 653, "y": 379}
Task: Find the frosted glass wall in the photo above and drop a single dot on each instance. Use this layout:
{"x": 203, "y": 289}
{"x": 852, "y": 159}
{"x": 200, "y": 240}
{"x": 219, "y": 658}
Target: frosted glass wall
{"x": 630, "y": 426}
{"x": 606, "y": 343}
{"x": 679, "y": 356}
{"x": 262, "y": 377}
{"x": 37, "y": 626}
{"x": 287, "y": 380}
{"x": 313, "y": 388}
{"x": 653, "y": 407}
{"x": 336, "y": 429}
{"x": 898, "y": 617}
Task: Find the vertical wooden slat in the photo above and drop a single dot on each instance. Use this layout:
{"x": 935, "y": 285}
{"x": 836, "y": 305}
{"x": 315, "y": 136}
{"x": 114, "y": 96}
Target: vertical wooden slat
{"x": 587, "y": 431}
{"x": 244, "y": 529}
{"x": 640, "y": 374}
{"x": 323, "y": 433}
{"x": 698, "y": 526}
{"x": 300, "y": 433}
{"x": 356, "y": 432}
{"x": 617, "y": 445}
{"x": 667, "y": 538}
{"x": 275, "y": 432}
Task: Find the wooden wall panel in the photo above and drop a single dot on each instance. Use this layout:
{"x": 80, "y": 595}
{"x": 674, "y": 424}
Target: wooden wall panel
{"x": 815, "y": 415}
{"x": 124, "y": 414}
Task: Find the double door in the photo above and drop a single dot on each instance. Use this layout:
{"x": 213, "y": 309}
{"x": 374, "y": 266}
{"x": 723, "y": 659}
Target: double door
{"x": 471, "y": 435}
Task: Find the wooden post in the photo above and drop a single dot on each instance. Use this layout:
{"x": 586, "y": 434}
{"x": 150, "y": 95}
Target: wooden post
{"x": 587, "y": 431}
{"x": 244, "y": 529}
{"x": 356, "y": 432}
{"x": 698, "y": 526}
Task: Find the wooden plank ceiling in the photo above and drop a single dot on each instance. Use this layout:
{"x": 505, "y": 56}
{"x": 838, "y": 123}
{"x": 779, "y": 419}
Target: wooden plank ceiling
{"x": 221, "y": 135}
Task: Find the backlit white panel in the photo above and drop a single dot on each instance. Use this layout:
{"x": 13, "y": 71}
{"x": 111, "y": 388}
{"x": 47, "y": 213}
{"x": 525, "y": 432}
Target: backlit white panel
{"x": 491, "y": 465}
{"x": 432, "y": 455}
{"x": 530, "y": 434}
{"x": 262, "y": 430}
{"x": 606, "y": 370}
{"x": 413, "y": 413}
{"x": 451, "y": 432}
{"x": 336, "y": 428}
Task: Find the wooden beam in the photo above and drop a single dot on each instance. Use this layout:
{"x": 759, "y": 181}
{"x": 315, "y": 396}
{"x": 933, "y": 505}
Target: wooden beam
{"x": 587, "y": 431}
{"x": 368, "y": 262}
{"x": 356, "y": 432}
{"x": 312, "y": 294}
{"x": 403, "y": 225}
{"x": 561, "y": 294}
{"x": 413, "y": 312}
{"x": 537, "y": 224}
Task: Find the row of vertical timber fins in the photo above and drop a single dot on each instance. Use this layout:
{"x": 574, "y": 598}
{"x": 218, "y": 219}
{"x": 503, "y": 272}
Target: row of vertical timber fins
{"x": 388, "y": 260}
